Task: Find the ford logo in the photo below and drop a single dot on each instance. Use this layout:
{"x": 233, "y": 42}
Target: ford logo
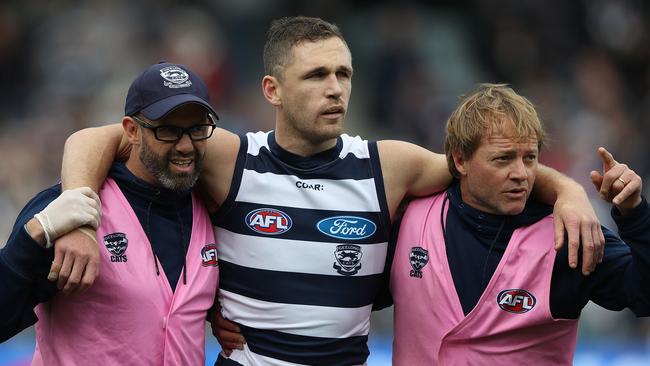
{"x": 347, "y": 227}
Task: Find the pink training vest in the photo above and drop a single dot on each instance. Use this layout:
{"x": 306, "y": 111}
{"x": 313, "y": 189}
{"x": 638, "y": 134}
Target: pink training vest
{"x": 130, "y": 316}
{"x": 510, "y": 325}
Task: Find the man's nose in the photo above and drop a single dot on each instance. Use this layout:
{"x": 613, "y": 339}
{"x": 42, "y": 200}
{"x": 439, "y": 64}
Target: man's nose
{"x": 519, "y": 170}
{"x": 334, "y": 89}
{"x": 185, "y": 144}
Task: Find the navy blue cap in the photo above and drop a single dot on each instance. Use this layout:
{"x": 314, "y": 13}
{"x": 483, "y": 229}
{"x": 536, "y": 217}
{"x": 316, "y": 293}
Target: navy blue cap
{"x": 164, "y": 87}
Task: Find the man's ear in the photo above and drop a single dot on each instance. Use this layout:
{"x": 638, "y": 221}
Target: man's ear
{"x": 459, "y": 162}
{"x": 131, "y": 130}
{"x": 272, "y": 90}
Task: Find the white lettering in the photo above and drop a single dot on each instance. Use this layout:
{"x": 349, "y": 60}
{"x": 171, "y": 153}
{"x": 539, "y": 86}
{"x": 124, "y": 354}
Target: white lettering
{"x": 258, "y": 220}
{"x": 527, "y": 303}
{"x": 507, "y": 300}
{"x": 340, "y": 226}
{"x": 209, "y": 255}
{"x": 268, "y": 220}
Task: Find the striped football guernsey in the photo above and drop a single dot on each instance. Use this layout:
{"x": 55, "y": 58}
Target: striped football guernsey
{"x": 302, "y": 249}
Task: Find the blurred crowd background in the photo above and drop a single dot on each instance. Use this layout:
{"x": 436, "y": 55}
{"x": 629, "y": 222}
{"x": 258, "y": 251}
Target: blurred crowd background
{"x": 66, "y": 65}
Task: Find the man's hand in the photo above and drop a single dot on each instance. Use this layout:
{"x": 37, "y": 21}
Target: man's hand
{"x": 619, "y": 184}
{"x": 72, "y": 209}
{"x": 76, "y": 261}
{"x": 574, "y": 214}
{"x": 227, "y": 333}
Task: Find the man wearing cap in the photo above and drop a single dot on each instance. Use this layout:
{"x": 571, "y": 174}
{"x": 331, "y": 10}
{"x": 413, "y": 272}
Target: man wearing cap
{"x": 157, "y": 249}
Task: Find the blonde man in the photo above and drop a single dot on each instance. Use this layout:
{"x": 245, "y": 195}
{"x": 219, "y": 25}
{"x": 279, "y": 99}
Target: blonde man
{"x": 475, "y": 279}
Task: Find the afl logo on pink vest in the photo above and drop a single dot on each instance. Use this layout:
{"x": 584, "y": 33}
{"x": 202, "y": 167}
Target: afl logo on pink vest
{"x": 209, "y": 255}
{"x": 516, "y": 301}
{"x": 268, "y": 221}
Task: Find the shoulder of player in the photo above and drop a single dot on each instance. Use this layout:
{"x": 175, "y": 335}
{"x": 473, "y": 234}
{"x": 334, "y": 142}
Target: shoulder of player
{"x": 224, "y": 143}
{"x": 401, "y": 152}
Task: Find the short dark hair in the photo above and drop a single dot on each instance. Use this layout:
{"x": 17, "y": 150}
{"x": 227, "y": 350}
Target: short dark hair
{"x": 287, "y": 32}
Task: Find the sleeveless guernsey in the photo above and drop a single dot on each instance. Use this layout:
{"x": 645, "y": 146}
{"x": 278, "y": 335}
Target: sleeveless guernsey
{"x": 302, "y": 252}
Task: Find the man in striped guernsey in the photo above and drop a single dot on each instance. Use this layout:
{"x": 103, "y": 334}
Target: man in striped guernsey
{"x": 302, "y": 212}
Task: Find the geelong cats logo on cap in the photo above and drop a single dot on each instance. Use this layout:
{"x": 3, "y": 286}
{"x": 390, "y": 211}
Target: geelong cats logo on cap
{"x": 175, "y": 77}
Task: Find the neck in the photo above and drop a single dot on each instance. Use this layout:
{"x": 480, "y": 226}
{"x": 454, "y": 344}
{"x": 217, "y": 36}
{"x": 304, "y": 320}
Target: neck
{"x": 297, "y": 144}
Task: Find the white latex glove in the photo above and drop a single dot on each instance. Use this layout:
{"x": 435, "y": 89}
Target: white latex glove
{"x": 72, "y": 209}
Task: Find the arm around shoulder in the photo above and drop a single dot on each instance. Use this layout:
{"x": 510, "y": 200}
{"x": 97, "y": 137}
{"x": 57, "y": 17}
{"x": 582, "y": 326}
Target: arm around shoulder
{"x": 219, "y": 164}
{"x": 89, "y": 154}
{"x": 411, "y": 170}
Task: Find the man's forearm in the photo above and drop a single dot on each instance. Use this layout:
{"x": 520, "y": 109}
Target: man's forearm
{"x": 88, "y": 156}
{"x": 550, "y": 183}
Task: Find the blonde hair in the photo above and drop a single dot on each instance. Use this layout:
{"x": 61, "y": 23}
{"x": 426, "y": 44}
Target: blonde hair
{"x": 490, "y": 108}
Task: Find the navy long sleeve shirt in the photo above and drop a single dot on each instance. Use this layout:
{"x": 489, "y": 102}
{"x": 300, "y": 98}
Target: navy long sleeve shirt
{"x": 476, "y": 241}
{"x": 166, "y": 217}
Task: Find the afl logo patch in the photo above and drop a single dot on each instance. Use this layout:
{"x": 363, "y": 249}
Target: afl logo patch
{"x": 348, "y": 257}
{"x": 516, "y": 301}
{"x": 268, "y": 221}
{"x": 209, "y": 255}
{"x": 175, "y": 77}
{"x": 418, "y": 258}
{"x": 347, "y": 227}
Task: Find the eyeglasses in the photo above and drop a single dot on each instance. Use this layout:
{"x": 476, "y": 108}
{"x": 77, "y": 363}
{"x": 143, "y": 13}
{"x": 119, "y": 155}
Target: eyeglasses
{"x": 169, "y": 133}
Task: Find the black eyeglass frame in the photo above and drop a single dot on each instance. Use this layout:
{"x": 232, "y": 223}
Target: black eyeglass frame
{"x": 182, "y": 130}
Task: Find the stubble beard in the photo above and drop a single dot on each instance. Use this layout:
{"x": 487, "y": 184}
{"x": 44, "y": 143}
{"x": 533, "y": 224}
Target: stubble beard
{"x": 315, "y": 135}
{"x": 159, "y": 167}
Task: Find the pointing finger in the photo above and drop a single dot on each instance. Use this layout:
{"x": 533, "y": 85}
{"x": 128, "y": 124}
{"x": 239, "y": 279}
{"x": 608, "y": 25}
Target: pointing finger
{"x": 607, "y": 157}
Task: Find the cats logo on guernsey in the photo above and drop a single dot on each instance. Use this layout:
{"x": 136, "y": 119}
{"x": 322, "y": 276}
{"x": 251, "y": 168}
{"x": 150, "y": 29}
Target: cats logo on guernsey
{"x": 516, "y": 301}
{"x": 209, "y": 255}
{"x": 349, "y": 258}
{"x": 116, "y": 243}
{"x": 268, "y": 221}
